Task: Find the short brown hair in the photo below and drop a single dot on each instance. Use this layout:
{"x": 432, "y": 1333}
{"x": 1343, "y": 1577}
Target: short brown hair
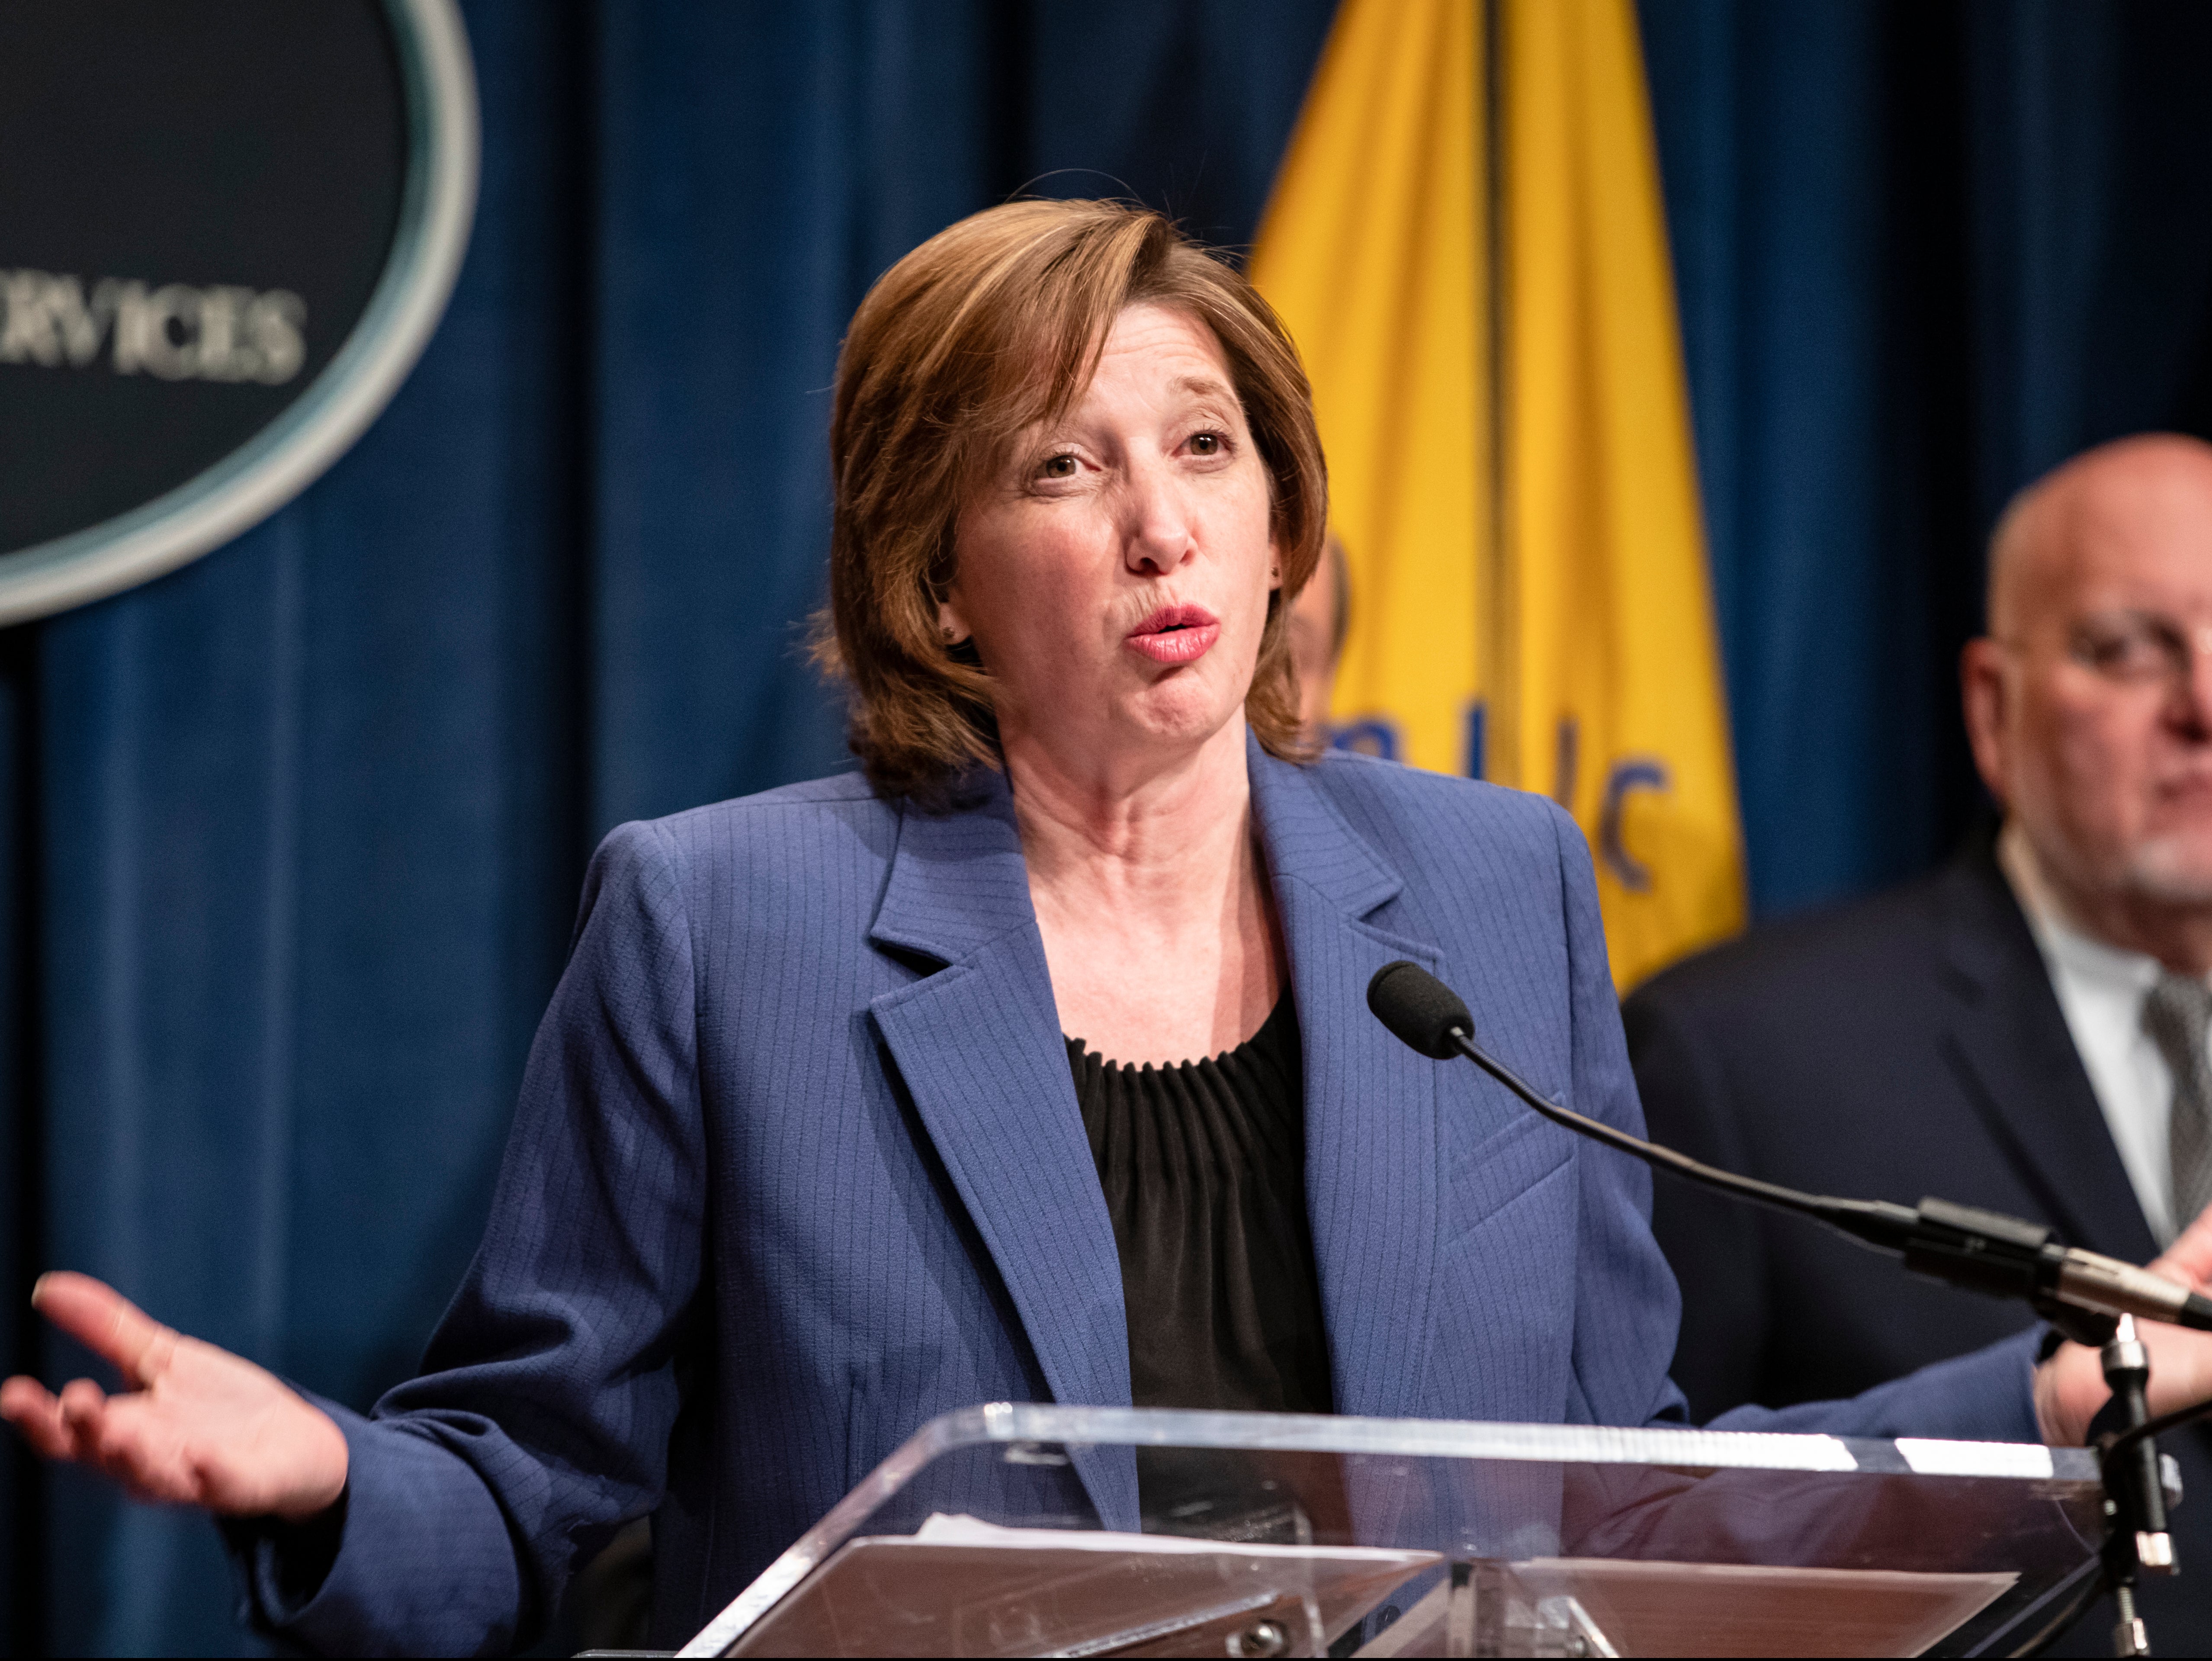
{"x": 990, "y": 325}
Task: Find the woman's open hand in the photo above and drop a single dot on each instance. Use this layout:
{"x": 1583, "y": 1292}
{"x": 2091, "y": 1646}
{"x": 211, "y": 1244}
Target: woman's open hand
{"x": 203, "y": 1428}
{"x": 2070, "y": 1386}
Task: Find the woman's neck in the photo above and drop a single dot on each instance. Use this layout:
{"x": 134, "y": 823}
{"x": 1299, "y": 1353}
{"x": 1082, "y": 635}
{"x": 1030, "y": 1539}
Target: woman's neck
{"x": 1158, "y": 929}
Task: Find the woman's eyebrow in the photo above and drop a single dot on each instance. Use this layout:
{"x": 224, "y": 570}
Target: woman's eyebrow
{"x": 1203, "y": 387}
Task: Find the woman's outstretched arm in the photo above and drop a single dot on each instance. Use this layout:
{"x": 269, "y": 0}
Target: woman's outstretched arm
{"x": 543, "y": 1419}
{"x": 200, "y": 1427}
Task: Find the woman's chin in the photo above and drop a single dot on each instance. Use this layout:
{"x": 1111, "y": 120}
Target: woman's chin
{"x": 1180, "y": 717}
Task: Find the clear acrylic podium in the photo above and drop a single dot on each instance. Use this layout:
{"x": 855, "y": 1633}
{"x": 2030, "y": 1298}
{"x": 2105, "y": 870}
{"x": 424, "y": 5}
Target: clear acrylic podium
{"x": 1268, "y": 1535}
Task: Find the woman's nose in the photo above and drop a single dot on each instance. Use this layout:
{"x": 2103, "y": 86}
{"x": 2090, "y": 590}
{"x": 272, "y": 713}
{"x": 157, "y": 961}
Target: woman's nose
{"x": 1159, "y": 536}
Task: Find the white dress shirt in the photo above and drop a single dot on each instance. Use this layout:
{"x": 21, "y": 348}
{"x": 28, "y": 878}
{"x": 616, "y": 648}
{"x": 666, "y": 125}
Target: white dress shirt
{"x": 2101, "y": 990}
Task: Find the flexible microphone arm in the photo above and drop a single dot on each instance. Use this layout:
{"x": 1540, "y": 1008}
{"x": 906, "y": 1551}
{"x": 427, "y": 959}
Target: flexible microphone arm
{"x": 2081, "y": 1293}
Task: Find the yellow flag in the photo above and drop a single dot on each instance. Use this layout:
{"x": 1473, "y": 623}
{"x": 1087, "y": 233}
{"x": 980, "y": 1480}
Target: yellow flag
{"x": 1467, "y": 242}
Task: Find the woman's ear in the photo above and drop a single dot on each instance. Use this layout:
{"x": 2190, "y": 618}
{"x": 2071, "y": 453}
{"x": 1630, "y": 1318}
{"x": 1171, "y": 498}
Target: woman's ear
{"x": 1274, "y": 566}
{"x": 949, "y": 626}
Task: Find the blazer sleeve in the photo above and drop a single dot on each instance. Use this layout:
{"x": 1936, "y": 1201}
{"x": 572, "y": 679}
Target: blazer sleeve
{"x": 1626, "y": 1307}
{"x": 1715, "y": 1245}
{"x": 542, "y": 1419}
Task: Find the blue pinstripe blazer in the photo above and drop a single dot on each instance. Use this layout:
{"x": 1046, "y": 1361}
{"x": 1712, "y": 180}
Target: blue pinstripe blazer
{"x": 797, "y": 1165}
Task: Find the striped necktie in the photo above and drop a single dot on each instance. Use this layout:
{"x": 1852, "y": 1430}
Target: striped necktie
{"x": 2177, "y": 1015}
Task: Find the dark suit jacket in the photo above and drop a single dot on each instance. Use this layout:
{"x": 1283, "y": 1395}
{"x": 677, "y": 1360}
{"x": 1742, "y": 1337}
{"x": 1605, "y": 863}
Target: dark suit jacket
{"x": 1905, "y": 1046}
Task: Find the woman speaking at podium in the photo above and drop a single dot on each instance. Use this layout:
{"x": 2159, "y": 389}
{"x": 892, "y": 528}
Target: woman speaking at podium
{"x": 1031, "y": 1062}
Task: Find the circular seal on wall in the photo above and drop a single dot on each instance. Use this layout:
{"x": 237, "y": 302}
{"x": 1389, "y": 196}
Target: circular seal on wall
{"x": 226, "y": 233}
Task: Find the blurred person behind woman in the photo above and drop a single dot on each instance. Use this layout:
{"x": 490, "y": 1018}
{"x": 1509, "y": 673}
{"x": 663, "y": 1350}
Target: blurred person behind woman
{"x": 2025, "y": 1030}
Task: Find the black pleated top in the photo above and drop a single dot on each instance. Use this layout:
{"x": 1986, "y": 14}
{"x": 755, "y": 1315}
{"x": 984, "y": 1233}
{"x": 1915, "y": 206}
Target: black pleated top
{"x": 1203, "y": 1165}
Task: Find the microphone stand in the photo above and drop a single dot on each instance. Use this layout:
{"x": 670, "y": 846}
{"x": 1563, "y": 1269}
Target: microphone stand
{"x": 1982, "y": 1251}
{"x": 2136, "y": 1497}
{"x": 2136, "y": 1540}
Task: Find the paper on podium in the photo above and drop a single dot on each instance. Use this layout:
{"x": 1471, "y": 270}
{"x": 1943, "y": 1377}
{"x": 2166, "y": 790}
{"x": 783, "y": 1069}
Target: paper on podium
{"x": 961, "y": 1586}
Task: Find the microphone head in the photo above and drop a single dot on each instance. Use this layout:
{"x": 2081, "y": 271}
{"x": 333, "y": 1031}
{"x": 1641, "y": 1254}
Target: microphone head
{"x": 1418, "y": 1007}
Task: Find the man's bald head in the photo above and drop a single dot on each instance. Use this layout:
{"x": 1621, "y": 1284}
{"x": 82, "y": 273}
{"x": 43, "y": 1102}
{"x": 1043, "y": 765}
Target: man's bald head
{"x": 2090, "y": 702}
{"x": 2149, "y": 486}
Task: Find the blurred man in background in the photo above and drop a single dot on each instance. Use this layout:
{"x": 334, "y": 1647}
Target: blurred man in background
{"x": 1320, "y": 618}
{"x": 2026, "y": 1030}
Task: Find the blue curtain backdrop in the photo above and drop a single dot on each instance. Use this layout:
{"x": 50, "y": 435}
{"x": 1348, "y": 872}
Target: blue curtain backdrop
{"x": 1925, "y": 251}
{"x": 292, "y": 837}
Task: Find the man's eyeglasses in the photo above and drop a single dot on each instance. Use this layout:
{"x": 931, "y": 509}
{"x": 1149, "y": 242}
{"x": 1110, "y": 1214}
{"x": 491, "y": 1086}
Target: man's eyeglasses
{"x": 2136, "y": 648}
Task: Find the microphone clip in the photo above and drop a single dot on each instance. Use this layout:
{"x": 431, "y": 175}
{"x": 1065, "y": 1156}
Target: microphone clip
{"x": 2001, "y": 1257}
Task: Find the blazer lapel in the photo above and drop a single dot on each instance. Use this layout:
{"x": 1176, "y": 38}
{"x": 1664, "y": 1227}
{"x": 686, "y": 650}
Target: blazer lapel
{"x": 2009, "y": 1040}
{"x": 979, "y": 1046}
{"x": 1372, "y": 1147}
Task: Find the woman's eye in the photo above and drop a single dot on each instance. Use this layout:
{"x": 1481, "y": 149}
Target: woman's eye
{"x": 1206, "y": 444}
{"x": 1059, "y": 466}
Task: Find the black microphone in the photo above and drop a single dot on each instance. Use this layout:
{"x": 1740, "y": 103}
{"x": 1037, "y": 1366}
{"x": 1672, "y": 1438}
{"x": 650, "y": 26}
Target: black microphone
{"x": 2079, "y": 1293}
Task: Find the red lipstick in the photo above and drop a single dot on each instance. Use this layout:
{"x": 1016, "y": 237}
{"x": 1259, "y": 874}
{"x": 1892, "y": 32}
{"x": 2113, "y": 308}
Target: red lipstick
{"x": 1176, "y": 634}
